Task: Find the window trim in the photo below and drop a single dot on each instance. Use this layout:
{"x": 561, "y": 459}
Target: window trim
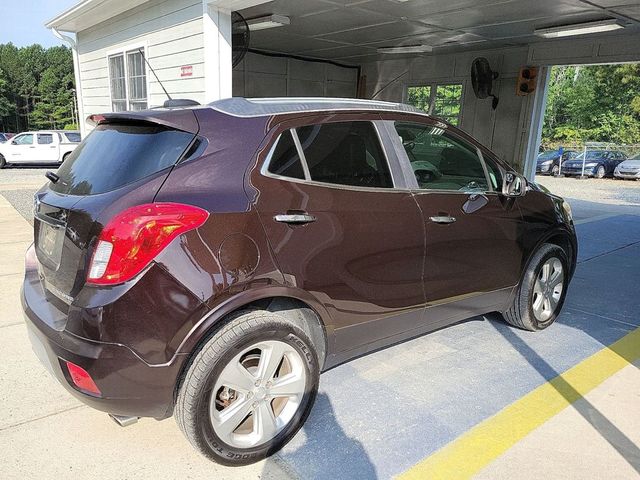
{"x": 123, "y": 51}
{"x": 403, "y": 157}
{"x": 264, "y": 169}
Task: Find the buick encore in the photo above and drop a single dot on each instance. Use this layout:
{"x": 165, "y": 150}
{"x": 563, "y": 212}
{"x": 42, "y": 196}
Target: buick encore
{"x": 209, "y": 262}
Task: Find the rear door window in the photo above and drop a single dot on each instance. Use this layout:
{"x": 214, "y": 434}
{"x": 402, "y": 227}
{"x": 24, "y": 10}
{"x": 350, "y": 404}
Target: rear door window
{"x": 285, "y": 160}
{"x": 114, "y": 155}
{"x": 345, "y": 153}
{"x": 45, "y": 138}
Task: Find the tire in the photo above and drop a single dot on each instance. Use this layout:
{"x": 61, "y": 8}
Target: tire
{"x": 3, "y": 162}
{"x": 224, "y": 353}
{"x": 555, "y": 170}
{"x": 600, "y": 172}
{"x": 522, "y": 313}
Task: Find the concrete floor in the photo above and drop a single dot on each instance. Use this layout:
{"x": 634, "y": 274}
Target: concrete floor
{"x": 383, "y": 414}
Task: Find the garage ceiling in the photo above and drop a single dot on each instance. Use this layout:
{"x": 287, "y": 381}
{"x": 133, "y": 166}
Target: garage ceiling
{"x": 352, "y": 30}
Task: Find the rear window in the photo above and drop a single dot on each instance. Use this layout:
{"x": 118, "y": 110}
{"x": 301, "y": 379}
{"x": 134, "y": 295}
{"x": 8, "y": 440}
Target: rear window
{"x": 72, "y": 137}
{"x": 114, "y": 155}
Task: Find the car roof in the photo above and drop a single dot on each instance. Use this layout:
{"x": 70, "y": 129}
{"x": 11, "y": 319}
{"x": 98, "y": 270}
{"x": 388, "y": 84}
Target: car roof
{"x": 260, "y": 107}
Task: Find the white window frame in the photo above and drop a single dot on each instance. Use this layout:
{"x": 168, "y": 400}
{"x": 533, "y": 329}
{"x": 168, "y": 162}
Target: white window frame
{"x": 432, "y": 94}
{"x": 123, "y": 51}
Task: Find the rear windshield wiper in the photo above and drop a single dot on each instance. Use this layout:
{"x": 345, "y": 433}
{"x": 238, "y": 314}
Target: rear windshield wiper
{"x": 52, "y": 176}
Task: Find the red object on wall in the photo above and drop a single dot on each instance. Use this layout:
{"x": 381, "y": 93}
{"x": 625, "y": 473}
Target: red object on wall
{"x": 186, "y": 71}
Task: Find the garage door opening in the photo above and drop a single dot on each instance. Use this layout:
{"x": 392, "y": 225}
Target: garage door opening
{"x": 590, "y": 139}
{"x": 591, "y": 122}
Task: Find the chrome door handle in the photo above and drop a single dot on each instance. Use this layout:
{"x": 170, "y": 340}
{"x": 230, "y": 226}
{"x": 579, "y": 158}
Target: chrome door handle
{"x": 295, "y": 218}
{"x": 445, "y": 219}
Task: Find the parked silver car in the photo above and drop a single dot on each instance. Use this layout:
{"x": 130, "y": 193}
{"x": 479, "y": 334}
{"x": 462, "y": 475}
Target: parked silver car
{"x": 629, "y": 169}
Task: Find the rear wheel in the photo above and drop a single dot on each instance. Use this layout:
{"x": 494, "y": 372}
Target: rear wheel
{"x": 542, "y": 291}
{"x": 600, "y": 171}
{"x": 3, "y": 162}
{"x": 249, "y": 389}
{"x": 555, "y": 170}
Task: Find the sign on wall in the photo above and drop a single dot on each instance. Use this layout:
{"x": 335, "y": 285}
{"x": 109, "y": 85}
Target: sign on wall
{"x": 186, "y": 71}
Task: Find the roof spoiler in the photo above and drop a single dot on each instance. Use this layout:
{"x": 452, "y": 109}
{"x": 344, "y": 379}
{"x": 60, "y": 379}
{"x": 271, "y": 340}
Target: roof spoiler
{"x": 184, "y": 120}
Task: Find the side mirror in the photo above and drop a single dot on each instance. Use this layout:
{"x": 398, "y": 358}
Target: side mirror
{"x": 514, "y": 185}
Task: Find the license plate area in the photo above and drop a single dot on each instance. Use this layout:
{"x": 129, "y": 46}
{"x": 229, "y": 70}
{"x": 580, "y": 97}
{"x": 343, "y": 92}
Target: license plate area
{"x": 49, "y": 244}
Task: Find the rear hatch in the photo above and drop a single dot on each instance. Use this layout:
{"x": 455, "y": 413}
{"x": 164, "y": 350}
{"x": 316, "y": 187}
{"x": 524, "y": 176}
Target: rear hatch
{"x": 120, "y": 164}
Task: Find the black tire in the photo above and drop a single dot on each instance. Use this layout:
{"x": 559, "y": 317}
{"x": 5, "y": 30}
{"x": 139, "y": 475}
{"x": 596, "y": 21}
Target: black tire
{"x": 3, "y": 162}
{"x": 192, "y": 404}
{"x": 600, "y": 172}
{"x": 520, "y": 313}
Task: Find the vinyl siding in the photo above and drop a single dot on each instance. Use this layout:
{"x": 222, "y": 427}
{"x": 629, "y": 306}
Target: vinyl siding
{"x": 171, "y": 30}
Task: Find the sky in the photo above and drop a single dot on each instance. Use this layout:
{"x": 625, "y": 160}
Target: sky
{"x": 22, "y": 21}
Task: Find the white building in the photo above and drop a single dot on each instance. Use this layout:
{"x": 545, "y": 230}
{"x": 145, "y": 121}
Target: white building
{"x": 340, "y": 48}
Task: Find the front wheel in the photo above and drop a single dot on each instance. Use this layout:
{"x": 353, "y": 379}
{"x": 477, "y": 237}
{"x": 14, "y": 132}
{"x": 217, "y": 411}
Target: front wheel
{"x": 600, "y": 172}
{"x": 542, "y": 291}
{"x": 249, "y": 389}
{"x": 555, "y": 170}
{"x": 3, "y": 162}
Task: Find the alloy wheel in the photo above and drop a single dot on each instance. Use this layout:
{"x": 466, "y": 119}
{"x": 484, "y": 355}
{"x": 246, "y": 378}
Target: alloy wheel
{"x": 257, "y": 394}
{"x": 547, "y": 289}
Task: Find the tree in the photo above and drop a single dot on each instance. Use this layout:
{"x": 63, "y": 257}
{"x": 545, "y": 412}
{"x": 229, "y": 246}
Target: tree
{"x": 36, "y": 87}
{"x": 595, "y": 103}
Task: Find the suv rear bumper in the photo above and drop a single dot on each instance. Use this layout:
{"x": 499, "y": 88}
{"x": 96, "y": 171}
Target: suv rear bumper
{"x": 129, "y": 386}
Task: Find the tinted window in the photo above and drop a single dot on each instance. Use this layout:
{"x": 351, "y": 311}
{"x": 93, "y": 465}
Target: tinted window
{"x": 495, "y": 174}
{"x": 345, "y": 153}
{"x": 441, "y": 161}
{"x": 285, "y": 160}
{"x": 114, "y": 155}
{"x": 73, "y": 137}
{"x": 45, "y": 138}
{"x": 23, "y": 139}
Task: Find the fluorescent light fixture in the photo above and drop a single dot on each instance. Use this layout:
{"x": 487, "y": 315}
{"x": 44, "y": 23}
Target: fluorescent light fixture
{"x": 406, "y": 49}
{"x": 579, "y": 29}
{"x": 268, "y": 21}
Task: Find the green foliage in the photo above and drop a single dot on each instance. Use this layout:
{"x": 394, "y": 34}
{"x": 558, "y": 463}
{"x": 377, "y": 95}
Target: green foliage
{"x": 36, "y": 87}
{"x": 594, "y": 103}
{"x": 419, "y": 97}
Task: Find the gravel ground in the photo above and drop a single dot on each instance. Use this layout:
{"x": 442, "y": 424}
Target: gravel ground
{"x": 18, "y": 185}
{"x": 606, "y": 190}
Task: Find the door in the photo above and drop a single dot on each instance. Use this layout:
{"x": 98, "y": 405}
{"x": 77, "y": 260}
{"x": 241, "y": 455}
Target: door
{"x": 473, "y": 255}
{"x": 46, "y": 150}
{"x": 21, "y": 148}
{"x": 341, "y": 230}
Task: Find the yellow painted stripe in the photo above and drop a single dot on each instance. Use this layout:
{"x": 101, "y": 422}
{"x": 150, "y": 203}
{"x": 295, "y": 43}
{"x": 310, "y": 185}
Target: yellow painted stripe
{"x": 478, "y": 447}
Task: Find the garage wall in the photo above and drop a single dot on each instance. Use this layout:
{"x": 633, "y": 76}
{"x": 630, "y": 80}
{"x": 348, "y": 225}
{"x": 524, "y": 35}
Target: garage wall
{"x": 501, "y": 130}
{"x": 265, "y": 76}
{"x": 171, "y": 30}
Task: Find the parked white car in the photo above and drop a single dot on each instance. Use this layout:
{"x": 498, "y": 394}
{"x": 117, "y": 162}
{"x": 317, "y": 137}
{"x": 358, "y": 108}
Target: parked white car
{"x": 629, "y": 169}
{"x": 48, "y": 146}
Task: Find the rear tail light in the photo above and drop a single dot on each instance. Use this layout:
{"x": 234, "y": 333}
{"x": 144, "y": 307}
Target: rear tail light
{"x": 82, "y": 379}
{"x": 134, "y": 237}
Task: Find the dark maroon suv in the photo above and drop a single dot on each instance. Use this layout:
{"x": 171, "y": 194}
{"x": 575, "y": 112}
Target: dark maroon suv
{"x": 209, "y": 262}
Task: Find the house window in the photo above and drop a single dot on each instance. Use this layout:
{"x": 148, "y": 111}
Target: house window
{"x": 443, "y": 100}
{"x": 128, "y": 81}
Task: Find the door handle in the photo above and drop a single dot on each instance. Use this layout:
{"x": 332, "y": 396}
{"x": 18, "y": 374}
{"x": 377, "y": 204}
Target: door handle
{"x": 442, "y": 219}
{"x": 294, "y": 218}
